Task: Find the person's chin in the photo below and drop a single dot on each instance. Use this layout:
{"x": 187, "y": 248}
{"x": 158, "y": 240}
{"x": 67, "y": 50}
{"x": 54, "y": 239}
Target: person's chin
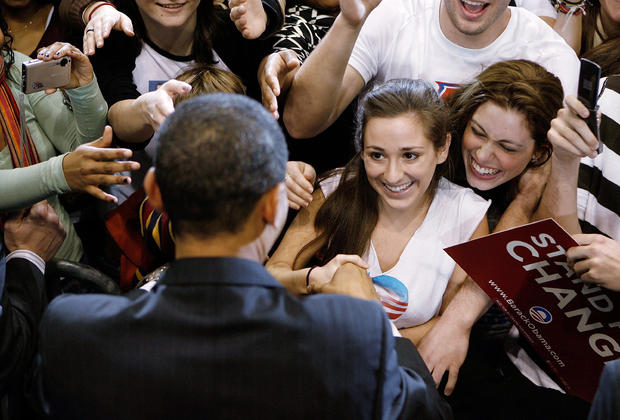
{"x": 483, "y": 183}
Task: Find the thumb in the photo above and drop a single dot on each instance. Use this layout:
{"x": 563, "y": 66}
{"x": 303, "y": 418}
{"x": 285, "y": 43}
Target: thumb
{"x": 291, "y": 62}
{"x": 105, "y": 140}
{"x": 309, "y": 172}
{"x": 175, "y": 87}
{"x": 126, "y": 25}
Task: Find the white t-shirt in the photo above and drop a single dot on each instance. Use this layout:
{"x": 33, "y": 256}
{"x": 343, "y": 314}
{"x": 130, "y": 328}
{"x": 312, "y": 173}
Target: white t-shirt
{"x": 403, "y": 39}
{"x": 538, "y": 7}
{"x": 155, "y": 67}
{"x": 412, "y": 290}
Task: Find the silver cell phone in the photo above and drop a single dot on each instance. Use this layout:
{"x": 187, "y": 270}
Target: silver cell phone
{"x": 40, "y": 75}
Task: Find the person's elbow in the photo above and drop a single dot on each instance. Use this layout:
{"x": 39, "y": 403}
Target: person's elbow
{"x": 296, "y": 125}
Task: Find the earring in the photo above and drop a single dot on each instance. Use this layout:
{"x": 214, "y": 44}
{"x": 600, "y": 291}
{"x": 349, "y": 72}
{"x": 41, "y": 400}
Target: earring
{"x": 534, "y": 160}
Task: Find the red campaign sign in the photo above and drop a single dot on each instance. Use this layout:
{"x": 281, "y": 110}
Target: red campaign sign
{"x": 573, "y": 326}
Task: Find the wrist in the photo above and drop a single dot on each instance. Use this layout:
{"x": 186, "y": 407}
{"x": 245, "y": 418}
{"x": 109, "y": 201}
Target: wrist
{"x": 309, "y": 279}
{"x": 88, "y": 9}
{"x": 565, "y": 164}
{"x": 87, "y": 14}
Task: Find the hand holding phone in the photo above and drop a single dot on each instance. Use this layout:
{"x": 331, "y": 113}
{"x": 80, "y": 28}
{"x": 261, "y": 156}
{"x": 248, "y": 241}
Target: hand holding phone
{"x": 587, "y": 93}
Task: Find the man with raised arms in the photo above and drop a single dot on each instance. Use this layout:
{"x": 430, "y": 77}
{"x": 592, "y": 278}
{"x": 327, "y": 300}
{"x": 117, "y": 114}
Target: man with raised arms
{"x": 443, "y": 41}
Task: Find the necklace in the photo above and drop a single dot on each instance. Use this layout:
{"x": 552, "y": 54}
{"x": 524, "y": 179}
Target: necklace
{"x": 36, "y": 18}
{"x": 26, "y": 26}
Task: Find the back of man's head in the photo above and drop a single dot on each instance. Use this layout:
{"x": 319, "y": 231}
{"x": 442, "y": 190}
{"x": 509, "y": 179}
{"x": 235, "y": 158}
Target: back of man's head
{"x": 217, "y": 155}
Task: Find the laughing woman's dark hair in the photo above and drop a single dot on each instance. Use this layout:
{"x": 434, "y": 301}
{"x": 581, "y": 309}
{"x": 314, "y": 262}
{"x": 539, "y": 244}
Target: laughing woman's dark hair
{"x": 349, "y": 215}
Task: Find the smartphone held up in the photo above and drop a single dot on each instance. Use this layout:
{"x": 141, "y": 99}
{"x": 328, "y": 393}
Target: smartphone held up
{"x": 588, "y": 93}
{"x": 39, "y": 75}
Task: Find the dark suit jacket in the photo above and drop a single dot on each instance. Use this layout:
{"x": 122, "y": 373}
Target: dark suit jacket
{"x": 22, "y": 300}
{"x": 221, "y": 338}
{"x": 606, "y": 404}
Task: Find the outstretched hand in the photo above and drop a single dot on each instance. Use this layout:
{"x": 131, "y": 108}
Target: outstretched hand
{"x": 444, "y": 349}
{"x": 103, "y": 20}
{"x": 351, "y": 280}
{"x": 299, "y": 181}
{"x": 36, "y": 229}
{"x": 93, "y": 164}
{"x": 275, "y": 75}
{"x": 157, "y": 105}
{"x": 249, "y": 17}
{"x": 321, "y": 276}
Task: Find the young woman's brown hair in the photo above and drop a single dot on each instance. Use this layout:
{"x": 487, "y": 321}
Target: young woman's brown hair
{"x": 349, "y": 215}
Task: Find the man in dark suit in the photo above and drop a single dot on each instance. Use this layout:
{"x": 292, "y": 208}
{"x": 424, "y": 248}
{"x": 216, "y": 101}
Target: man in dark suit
{"x": 219, "y": 337}
{"x": 31, "y": 237}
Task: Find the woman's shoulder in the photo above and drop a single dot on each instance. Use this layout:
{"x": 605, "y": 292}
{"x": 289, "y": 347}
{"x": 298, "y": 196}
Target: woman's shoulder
{"x": 453, "y": 200}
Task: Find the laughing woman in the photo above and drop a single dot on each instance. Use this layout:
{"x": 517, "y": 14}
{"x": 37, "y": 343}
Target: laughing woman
{"x": 389, "y": 207}
{"x": 499, "y": 128}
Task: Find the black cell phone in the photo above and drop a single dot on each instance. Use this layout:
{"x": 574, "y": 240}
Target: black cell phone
{"x": 587, "y": 93}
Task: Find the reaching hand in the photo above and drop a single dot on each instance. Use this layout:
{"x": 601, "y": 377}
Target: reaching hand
{"x": 596, "y": 260}
{"x": 92, "y": 164}
{"x": 320, "y": 276}
{"x": 355, "y": 12}
{"x": 157, "y": 105}
{"x": 103, "y": 20}
{"x": 35, "y": 229}
{"x": 351, "y": 280}
{"x": 443, "y": 349}
{"x": 299, "y": 181}
{"x": 249, "y": 17}
{"x": 275, "y": 75}
{"x": 81, "y": 69}
{"x": 570, "y": 135}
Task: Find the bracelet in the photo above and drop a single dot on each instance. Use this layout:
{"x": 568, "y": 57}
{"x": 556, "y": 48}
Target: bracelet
{"x": 105, "y": 3}
{"x": 308, "y": 275}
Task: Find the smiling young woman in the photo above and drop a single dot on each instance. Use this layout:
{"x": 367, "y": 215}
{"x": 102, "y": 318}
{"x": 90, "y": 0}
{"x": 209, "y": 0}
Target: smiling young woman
{"x": 389, "y": 211}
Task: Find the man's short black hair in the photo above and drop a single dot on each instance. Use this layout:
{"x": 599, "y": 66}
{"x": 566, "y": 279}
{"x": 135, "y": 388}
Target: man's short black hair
{"x": 217, "y": 155}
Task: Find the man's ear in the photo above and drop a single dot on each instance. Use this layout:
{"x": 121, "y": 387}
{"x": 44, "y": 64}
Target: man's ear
{"x": 271, "y": 200}
{"x": 442, "y": 154}
{"x": 153, "y": 191}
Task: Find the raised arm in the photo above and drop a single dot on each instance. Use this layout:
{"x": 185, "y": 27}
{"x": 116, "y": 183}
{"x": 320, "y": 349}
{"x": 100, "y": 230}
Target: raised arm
{"x": 136, "y": 120}
{"x": 571, "y": 139}
{"x": 326, "y": 84}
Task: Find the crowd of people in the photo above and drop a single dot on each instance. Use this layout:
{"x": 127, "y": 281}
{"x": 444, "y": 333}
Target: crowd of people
{"x": 269, "y": 187}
